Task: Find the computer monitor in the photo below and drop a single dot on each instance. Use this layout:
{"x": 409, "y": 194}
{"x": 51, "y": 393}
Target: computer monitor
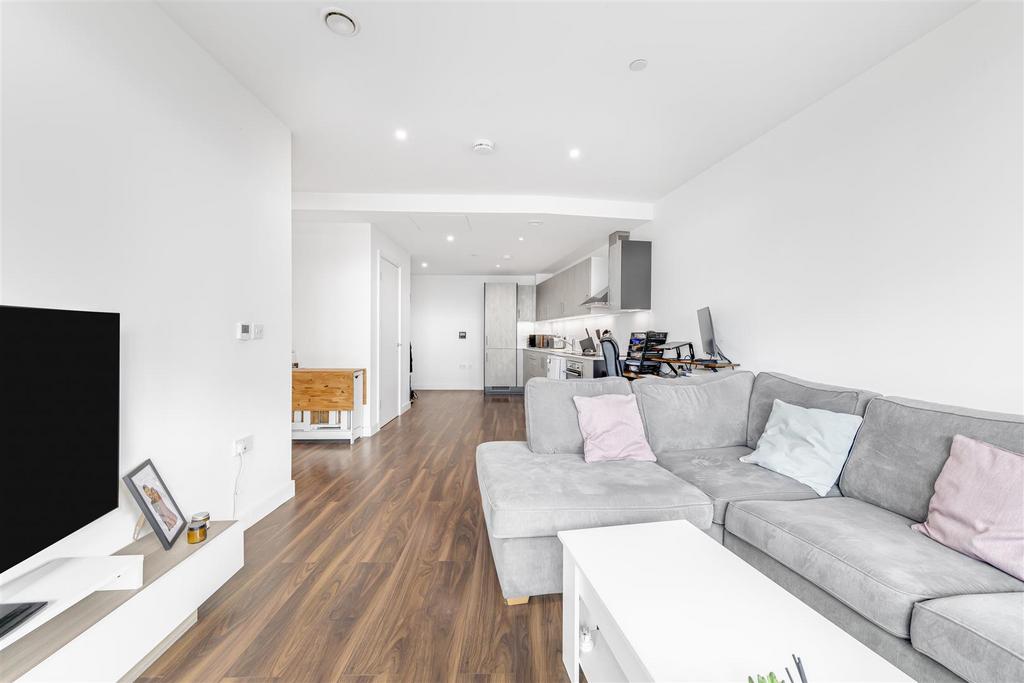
{"x": 707, "y": 333}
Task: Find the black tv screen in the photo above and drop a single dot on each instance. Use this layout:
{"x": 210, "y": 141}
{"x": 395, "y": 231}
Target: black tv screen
{"x": 59, "y": 379}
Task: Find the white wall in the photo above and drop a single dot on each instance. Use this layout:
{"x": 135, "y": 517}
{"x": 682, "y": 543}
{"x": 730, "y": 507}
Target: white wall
{"x": 875, "y": 239}
{"x": 335, "y": 290}
{"x": 442, "y": 306}
{"x": 149, "y": 182}
{"x": 331, "y": 294}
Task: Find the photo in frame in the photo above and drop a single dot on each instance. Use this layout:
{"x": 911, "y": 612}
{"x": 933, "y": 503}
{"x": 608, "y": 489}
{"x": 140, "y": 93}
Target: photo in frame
{"x": 156, "y": 503}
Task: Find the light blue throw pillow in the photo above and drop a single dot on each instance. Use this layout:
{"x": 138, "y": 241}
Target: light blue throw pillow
{"x": 806, "y": 444}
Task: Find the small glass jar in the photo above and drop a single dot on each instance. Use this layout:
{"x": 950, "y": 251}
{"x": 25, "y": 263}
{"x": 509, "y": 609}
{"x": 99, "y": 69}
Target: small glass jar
{"x": 196, "y": 532}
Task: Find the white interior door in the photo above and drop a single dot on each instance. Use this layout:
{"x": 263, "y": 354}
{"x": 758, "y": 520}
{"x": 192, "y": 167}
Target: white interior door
{"x": 390, "y": 351}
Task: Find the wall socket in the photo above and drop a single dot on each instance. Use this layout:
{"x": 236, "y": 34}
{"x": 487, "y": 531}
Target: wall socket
{"x": 244, "y": 445}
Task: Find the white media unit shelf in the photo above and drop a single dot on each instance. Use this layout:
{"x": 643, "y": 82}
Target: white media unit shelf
{"x": 113, "y": 635}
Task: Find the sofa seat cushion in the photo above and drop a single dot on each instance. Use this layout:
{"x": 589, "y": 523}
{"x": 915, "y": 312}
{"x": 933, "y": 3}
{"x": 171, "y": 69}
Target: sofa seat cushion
{"x": 526, "y": 494}
{"x": 865, "y": 556}
{"x": 719, "y": 473}
{"x": 978, "y": 637}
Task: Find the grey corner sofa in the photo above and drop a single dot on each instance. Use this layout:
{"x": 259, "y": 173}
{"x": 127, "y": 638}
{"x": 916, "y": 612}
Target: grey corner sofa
{"x": 936, "y": 614}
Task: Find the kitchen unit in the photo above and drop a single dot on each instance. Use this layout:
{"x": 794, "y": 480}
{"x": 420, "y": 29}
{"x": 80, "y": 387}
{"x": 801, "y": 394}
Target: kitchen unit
{"x": 536, "y": 363}
{"x": 501, "y": 312}
{"x": 562, "y": 295}
{"x": 527, "y": 307}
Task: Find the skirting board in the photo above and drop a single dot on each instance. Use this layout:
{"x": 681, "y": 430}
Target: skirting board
{"x": 267, "y": 505}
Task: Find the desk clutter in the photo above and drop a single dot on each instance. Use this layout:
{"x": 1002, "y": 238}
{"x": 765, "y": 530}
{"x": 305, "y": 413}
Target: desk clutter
{"x": 651, "y": 354}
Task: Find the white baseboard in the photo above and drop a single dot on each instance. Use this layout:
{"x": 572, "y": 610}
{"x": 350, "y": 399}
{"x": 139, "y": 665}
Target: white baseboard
{"x": 405, "y": 407}
{"x": 267, "y": 505}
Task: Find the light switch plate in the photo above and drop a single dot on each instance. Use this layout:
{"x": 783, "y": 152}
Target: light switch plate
{"x": 257, "y": 331}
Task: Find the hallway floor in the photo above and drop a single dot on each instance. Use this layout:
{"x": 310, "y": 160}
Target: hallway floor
{"x": 379, "y": 569}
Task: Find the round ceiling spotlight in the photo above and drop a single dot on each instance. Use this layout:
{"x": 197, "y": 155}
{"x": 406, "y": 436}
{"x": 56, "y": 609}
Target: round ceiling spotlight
{"x": 521, "y": 238}
{"x": 506, "y": 256}
{"x": 339, "y": 22}
{"x": 450, "y": 238}
{"x": 424, "y": 264}
{"x": 638, "y": 65}
{"x": 483, "y": 146}
{"x": 535, "y": 222}
{"x": 401, "y": 134}
{"x": 574, "y": 153}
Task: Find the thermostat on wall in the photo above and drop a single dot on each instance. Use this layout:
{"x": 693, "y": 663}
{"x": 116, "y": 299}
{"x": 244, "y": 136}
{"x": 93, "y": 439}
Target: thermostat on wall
{"x": 244, "y": 332}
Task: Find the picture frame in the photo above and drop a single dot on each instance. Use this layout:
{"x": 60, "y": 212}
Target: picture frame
{"x": 154, "y": 499}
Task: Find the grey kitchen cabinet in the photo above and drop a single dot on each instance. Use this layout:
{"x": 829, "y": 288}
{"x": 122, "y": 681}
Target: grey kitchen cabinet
{"x": 629, "y": 275}
{"x": 562, "y": 295}
{"x": 527, "y": 308}
{"x": 500, "y": 367}
{"x": 500, "y": 301}
{"x": 535, "y": 365}
{"x": 500, "y": 352}
{"x": 580, "y": 290}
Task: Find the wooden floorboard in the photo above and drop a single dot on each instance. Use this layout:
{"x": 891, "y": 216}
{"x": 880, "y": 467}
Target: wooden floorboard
{"x": 379, "y": 569}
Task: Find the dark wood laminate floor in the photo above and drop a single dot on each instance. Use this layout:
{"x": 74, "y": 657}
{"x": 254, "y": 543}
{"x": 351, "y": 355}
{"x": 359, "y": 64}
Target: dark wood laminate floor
{"x": 379, "y": 569}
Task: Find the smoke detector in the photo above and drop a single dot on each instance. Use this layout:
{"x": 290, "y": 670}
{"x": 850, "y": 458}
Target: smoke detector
{"x": 339, "y": 22}
{"x": 483, "y": 146}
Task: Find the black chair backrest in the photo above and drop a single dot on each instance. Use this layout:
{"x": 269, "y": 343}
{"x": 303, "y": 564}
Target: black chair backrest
{"x": 611, "y": 357}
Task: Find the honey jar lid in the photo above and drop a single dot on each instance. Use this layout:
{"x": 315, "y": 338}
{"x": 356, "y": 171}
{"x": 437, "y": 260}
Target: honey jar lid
{"x": 201, "y": 517}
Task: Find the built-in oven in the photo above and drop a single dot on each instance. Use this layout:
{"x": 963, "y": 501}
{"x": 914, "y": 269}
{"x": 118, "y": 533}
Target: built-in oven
{"x": 573, "y": 369}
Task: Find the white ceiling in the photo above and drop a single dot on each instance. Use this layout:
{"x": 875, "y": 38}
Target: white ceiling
{"x": 538, "y": 79}
{"x": 482, "y": 240}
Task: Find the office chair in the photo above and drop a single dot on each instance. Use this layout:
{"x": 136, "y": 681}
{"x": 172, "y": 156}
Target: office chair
{"x": 612, "y": 365}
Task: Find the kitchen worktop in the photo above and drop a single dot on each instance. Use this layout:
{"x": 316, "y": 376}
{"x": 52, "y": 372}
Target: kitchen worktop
{"x": 564, "y": 353}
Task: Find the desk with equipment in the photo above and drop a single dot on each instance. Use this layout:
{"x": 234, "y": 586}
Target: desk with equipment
{"x": 648, "y": 353}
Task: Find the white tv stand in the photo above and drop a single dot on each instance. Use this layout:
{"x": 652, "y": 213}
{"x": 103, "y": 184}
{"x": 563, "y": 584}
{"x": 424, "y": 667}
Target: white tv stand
{"x": 64, "y": 581}
{"x": 115, "y": 633}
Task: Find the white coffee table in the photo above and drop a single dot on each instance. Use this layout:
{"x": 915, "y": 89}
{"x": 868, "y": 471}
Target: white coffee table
{"x": 671, "y": 604}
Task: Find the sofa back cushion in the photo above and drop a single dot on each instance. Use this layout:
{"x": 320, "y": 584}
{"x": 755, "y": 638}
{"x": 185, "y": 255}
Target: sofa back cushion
{"x": 903, "y": 444}
{"x": 798, "y": 392}
{"x": 552, "y": 422}
{"x": 695, "y": 412}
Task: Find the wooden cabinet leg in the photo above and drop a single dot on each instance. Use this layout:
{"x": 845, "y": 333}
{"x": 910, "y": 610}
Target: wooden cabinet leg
{"x": 521, "y": 600}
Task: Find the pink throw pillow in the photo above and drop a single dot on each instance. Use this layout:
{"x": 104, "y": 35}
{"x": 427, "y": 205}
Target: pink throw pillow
{"x": 612, "y": 429}
{"x": 978, "y": 505}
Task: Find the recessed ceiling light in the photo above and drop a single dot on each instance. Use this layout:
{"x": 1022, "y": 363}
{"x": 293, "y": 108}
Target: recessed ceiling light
{"x": 401, "y": 134}
{"x": 535, "y": 222}
{"x": 483, "y": 146}
{"x": 521, "y": 238}
{"x": 450, "y": 238}
{"x": 506, "y": 256}
{"x": 424, "y": 264}
{"x": 638, "y": 65}
{"x": 574, "y": 153}
{"x": 497, "y": 265}
{"x": 339, "y": 22}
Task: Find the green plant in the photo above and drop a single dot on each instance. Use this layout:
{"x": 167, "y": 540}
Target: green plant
{"x": 772, "y": 678}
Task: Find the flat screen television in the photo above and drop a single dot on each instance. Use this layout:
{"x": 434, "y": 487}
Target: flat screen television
{"x": 59, "y": 389}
